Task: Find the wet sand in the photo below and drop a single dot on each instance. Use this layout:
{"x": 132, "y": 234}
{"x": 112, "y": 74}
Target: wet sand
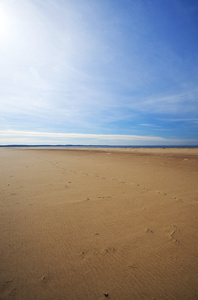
{"x": 100, "y": 223}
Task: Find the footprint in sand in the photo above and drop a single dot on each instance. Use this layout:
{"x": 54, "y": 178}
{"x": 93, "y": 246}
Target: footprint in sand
{"x": 158, "y": 192}
{"x": 148, "y": 230}
{"x": 44, "y": 279}
{"x": 83, "y": 254}
{"x": 108, "y": 250}
{"x": 6, "y": 289}
{"x": 171, "y": 235}
{"x": 133, "y": 266}
{"x": 103, "y": 197}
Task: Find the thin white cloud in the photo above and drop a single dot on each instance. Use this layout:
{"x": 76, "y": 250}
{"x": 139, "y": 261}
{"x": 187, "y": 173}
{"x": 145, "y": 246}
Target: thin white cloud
{"x": 147, "y": 125}
{"x": 10, "y": 133}
{"x": 173, "y": 103}
{"x": 195, "y": 120}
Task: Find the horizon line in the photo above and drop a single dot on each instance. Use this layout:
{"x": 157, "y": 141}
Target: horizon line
{"x": 104, "y": 145}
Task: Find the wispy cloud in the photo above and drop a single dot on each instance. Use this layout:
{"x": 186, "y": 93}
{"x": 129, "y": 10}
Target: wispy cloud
{"x": 76, "y": 136}
{"x": 170, "y": 104}
{"x": 180, "y": 120}
{"x": 146, "y": 124}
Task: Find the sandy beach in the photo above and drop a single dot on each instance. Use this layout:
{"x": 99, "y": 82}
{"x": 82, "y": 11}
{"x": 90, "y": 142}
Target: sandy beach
{"x": 98, "y": 223}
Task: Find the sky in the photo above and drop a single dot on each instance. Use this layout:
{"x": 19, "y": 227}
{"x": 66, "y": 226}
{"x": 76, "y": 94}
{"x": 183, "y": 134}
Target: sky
{"x": 100, "y": 72}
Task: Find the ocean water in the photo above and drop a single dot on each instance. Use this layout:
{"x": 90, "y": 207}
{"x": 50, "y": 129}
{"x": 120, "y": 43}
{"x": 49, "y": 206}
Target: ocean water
{"x": 100, "y": 146}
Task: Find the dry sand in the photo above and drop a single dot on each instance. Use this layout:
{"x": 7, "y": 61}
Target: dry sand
{"x": 76, "y": 224}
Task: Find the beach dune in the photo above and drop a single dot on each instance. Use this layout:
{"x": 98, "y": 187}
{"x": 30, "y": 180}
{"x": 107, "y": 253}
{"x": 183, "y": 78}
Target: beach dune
{"x": 98, "y": 223}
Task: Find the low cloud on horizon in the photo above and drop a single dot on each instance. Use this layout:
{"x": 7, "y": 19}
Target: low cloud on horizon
{"x": 52, "y": 138}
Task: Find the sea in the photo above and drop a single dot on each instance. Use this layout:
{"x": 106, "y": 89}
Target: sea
{"x": 101, "y": 146}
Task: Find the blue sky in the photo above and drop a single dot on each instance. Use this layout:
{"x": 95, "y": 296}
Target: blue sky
{"x": 99, "y": 72}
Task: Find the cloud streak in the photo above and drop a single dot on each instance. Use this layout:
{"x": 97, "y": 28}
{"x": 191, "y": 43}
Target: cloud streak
{"x": 99, "y": 137}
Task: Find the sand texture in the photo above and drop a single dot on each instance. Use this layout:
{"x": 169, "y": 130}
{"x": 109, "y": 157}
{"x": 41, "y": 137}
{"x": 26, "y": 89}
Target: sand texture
{"x": 95, "y": 224}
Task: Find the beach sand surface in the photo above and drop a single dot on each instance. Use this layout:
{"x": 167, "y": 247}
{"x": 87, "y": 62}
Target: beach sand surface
{"x": 98, "y": 223}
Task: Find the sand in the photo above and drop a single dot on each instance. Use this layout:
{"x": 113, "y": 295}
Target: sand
{"x": 101, "y": 223}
